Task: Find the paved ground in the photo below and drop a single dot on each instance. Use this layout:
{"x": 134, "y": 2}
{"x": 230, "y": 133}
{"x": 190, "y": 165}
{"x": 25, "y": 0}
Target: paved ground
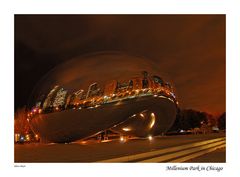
{"x": 218, "y": 156}
{"x": 92, "y": 152}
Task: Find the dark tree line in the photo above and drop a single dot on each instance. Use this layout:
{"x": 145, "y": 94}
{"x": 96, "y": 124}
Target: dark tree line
{"x": 222, "y": 121}
{"x": 187, "y": 119}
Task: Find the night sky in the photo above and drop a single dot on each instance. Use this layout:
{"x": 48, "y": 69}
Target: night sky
{"x": 189, "y": 50}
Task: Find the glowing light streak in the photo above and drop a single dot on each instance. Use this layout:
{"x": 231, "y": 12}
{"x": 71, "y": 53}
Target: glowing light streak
{"x": 153, "y": 118}
{"x": 126, "y": 129}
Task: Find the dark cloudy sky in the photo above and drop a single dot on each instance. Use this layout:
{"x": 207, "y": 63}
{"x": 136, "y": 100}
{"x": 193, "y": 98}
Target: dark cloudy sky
{"x": 188, "y": 49}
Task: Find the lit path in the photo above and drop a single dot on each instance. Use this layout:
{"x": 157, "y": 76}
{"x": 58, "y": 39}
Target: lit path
{"x": 161, "y": 149}
{"x": 180, "y": 153}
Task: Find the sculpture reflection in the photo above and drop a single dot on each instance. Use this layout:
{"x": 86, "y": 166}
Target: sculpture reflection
{"x": 142, "y": 105}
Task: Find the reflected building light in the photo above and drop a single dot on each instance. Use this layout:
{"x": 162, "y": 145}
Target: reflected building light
{"x": 60, "y": 98}
{"x": 83, "y": 142}
{"x": 173, "y": 95}
{"x": 112, "y": 96}
{"x": 119, "y": 103}
{"x": 161, "y": 96}
{"x": 134, "y": 115}
{"x": 48, "y": 100}
{"x": 153, "y": 118}
{"x": 170, "y": 99}
{"x": 126, "y": 129}
{"x": 122, "y": 138}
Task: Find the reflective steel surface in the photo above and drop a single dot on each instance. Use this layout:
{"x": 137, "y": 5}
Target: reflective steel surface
{"x": 134, "y": 103}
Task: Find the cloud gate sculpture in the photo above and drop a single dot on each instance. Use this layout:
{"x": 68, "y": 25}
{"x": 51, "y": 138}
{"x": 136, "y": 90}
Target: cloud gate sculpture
{"x": 106, "y": 91}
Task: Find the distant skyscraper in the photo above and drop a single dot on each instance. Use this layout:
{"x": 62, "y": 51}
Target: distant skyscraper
{"x": 38, "y": 104}
{"x": 93, "y": 90}
{"x": 137, "y": 83}
{"x": 48, "y": 100}
{"x": 76, "y": 97}
{"x": 79, "y": 94}
{"x": 68, "y": 100}
{"x": 110, "y": 88}
{"x": 40, "y": 101}
{"x": 60, "y": 98}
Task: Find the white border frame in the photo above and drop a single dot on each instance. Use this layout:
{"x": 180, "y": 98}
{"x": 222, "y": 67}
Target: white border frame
{"x": 229, "y": 7}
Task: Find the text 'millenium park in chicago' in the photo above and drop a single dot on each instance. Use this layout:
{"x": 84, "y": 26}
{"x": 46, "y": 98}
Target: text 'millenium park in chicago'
{"x": 105, "y": 93}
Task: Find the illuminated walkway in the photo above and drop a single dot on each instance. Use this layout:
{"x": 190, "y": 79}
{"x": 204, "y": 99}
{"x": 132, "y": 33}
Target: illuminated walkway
{"x": 94, "y": 152}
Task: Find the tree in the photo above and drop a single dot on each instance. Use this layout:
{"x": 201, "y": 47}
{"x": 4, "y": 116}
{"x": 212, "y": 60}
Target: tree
{"x": 222, "y": 121}
{"x": 177, "y": 124}
{"x": 21, "y": 125}
{"x": 188, "y": 119}
{"x": 192, "y": 119}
